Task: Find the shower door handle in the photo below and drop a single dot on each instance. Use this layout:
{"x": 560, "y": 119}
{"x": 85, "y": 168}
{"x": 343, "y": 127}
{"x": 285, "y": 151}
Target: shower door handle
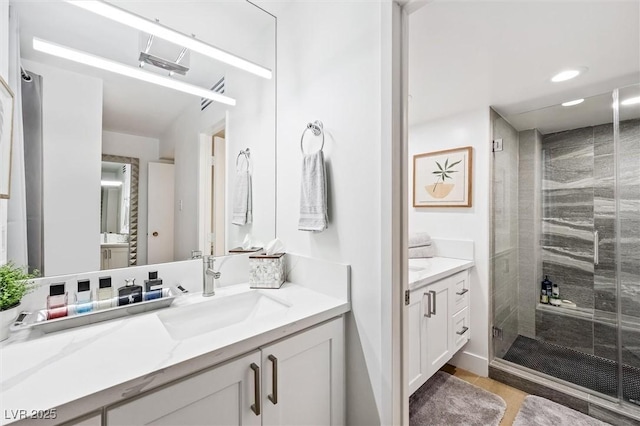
{"x": 596, "y": 248}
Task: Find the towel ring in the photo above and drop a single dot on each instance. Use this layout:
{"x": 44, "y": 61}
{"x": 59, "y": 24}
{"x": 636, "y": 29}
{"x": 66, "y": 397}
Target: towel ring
{"x": 247, "y": 154}
{"x": 317, "y": 129}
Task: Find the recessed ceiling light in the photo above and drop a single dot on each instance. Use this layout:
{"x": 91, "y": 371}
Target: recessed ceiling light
{"x": 572, "y": 103}
{"x": 567, "y": 74}
{"x": 631, "y": 101}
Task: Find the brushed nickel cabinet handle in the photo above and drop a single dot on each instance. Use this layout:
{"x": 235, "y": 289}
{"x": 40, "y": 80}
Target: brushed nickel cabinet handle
{"x": 428, "y": 314}
{"x": 464, "y": 330}
{"x": 434, "y": 301}
{"x": 256, "y": 378}
{"x": 274, "y": 380}
{"x": 462, "y": 292}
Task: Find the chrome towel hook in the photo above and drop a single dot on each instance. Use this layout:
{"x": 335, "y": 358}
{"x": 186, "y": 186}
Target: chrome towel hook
{"x": 247, "y": 154}
{"x": 317, "y": 129}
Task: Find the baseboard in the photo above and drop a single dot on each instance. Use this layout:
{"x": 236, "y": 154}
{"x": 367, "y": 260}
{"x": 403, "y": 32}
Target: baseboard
{"x": 471, "y": 362}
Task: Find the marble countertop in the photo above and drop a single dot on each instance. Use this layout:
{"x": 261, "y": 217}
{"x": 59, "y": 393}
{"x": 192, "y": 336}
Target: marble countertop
{"x": 426, "y": 271}
{"x": 101, "y": 364}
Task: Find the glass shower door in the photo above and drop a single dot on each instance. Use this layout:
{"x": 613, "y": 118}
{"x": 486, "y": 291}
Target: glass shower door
{"x": 627, "y": 205}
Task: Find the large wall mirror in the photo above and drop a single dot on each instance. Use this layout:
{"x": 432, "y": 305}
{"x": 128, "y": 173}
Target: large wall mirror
{"x": 149, "y": 130}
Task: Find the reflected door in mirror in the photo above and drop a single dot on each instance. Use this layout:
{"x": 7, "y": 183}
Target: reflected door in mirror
{"x": 160, "y": 213}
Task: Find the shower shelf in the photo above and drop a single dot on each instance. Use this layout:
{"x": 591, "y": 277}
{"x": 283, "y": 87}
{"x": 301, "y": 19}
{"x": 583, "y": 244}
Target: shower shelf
{"x": 602, "y": 317}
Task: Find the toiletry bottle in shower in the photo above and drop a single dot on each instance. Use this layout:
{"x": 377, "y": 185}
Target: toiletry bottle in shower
{"x": 130, "y": 293}
{"x": 546, "y": 290}
{"x": 84, "y": 302}
{"x": 555, "y": 292}
{"x": 57, "y": 302}
{"x": 104, "y": 295}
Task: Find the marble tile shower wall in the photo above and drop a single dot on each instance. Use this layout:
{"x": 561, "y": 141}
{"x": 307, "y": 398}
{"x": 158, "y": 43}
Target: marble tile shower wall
{"x": 578, "y": 198}
{"x": 529, "y": 229}
{"x": 504, "y": 244}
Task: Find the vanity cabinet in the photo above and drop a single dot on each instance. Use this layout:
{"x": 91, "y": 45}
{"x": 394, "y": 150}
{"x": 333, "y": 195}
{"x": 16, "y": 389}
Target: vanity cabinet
{"x": 296, "y": 381}
{"x": 114, "y": 257}
{"x": 438, "y": 325}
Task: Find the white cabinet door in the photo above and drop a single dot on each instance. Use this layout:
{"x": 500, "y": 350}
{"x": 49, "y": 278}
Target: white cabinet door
{"x": 118, "y": 257}
{"x": 95, "y": 420}
{"x": 303, "y": 378}
{"x": 437, "y": 334}
{"x": 417, "y": 347}
{"x": 160, "y": 213}
{"x": 224, "y": 395}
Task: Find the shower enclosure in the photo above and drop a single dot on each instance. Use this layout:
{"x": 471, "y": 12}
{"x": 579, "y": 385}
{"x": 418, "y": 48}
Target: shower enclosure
{"x": 566, "y": 205}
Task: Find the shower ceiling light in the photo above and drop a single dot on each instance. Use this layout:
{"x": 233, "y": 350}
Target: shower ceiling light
{"x": 126, "y": 70}
{"x": 134, "y": 21}
{"x": 568, "y": 74}
{"x": 631, "y": 101}
{"x": 572, "y": 103}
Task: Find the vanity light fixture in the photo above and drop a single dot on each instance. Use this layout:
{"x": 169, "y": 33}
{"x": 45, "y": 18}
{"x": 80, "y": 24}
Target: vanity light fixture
{"x": 110, "y": 183}
{"x": 631, "y": 101}
{"x": 568, "y": 74}
{"x": 572, "y": 103}
{"x": 126, "y": 70}
{"x": 158, "y": 30}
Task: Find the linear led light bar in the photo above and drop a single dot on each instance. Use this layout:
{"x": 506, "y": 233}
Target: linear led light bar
{"x": 110, "y": 183}
{"x": 134, "y": 21}
{"x": 126, "y": 70}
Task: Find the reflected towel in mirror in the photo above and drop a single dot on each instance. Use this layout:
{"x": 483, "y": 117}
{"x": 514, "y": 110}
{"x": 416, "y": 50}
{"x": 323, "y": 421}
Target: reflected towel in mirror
{"x": 419, "y": 239}
{"x": 420, "y": 252}
{"x": 242, "y": 204}
{"x": 313, "y": 193}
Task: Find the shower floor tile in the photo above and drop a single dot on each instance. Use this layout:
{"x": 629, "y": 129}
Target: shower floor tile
{"x": 589, "y": 371}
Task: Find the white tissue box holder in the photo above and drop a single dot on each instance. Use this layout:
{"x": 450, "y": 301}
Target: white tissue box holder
{"x": 266, "y": 270}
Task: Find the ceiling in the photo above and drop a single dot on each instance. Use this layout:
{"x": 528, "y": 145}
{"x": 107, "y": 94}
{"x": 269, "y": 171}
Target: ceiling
{"x": 131, "y": 106}
{"x": 465, "y": 55}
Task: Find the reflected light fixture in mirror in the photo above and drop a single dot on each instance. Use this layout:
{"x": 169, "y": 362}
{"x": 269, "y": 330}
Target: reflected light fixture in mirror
{"x": 115, "y": 67}
{"x": 631, "y": 101}
{"x": 127, "y": 18}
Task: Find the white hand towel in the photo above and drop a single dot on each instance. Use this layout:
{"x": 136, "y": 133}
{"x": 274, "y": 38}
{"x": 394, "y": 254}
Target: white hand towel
{"x": 420, "y": 252}
{"x": 419, "y": 239}
{"x": 242, "y": 204}
{"x": 313, "y": 194}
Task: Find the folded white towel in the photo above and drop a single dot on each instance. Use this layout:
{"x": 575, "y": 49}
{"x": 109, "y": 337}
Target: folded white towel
{"x": 419, "y": 239}
{"x": 419, "y": 252}
{"x": 242, "y": 203}
{"x": 313, "y": 194}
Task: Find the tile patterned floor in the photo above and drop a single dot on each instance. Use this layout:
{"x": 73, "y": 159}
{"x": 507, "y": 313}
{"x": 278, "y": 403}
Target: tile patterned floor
{"x": 512, "y": 396}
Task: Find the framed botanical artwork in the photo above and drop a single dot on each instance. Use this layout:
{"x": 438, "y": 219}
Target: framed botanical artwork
{"x": 6, "y": 137}
{"x": 443, "y": 178}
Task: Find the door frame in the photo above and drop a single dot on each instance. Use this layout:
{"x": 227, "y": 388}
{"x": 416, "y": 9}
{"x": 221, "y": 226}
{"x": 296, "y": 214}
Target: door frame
{"x": 205, "y": 139}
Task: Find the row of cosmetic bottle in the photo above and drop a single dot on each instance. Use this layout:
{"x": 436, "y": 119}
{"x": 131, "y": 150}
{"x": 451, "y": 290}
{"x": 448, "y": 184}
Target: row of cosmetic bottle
{"x": 58, "y": 305}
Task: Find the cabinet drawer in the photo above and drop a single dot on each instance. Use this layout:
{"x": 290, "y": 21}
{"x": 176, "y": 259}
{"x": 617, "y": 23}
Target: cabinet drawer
{"x": 460, "y": 284}
{"x": 461, "y": 330}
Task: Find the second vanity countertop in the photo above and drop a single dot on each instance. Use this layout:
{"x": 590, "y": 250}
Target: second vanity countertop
{"x": 427, "y": 271}
{"x": 113, "y": 360}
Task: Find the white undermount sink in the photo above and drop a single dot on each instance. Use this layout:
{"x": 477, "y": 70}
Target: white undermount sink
{"x": 224, "y": 311}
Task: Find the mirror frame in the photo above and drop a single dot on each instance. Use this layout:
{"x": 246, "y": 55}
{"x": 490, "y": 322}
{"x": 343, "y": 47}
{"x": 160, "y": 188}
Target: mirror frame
{"x": 133, "y": 202}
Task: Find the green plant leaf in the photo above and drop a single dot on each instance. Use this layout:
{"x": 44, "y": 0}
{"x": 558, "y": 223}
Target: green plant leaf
{"x": 445, "y": 163}
{"x": 439, "y": 166}
{"x": 436, "y": 172}
{"x": 15, "y": 282}
{"x": 453, "y": 164}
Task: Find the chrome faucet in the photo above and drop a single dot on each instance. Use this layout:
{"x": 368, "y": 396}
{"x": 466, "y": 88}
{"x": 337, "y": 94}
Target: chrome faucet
{"x": 210, "y": 276}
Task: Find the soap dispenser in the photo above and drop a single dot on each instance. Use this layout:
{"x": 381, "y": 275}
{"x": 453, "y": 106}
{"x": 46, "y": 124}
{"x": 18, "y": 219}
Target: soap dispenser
{"x": 130, "y": 293}
{"x": 546, "y": 290}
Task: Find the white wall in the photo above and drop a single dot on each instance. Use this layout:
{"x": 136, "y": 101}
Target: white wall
{"x": 146, "y": 150}
{"x": 4, "y": 73}
{"x": 72, "y": 133}
{"x": 466, "y": 129}
{"x": 329, "y": 69}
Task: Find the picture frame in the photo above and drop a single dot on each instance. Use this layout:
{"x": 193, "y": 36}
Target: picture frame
{"x": 6, "y": 137}
{"x": 443, "y": 178}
